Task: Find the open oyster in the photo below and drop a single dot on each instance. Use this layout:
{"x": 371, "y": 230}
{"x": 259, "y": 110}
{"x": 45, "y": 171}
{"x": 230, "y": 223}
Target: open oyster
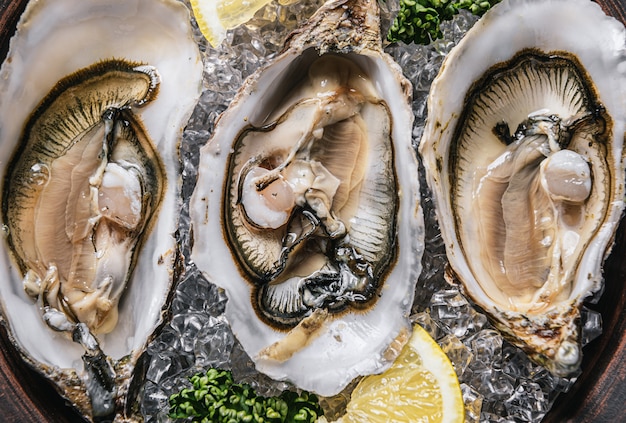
{"x": 93, "y": 99}
{"x": 306, "y": 209}
{"x": 523, "y": 150}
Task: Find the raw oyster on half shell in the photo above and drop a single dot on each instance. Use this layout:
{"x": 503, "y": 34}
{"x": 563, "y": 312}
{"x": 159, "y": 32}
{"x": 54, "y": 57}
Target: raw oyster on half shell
{"x": 94, "y": 96}
{"x": 306, "y": 209}
{"x": 523, "y": 149}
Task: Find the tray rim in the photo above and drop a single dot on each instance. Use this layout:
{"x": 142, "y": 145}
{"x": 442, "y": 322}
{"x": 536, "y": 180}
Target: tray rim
{"x": 598, "y": 394}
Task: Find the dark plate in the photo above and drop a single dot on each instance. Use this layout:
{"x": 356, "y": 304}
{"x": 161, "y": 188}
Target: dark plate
{"x": 599, "y": 394}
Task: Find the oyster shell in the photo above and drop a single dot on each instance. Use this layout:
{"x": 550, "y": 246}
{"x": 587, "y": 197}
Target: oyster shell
{"x": 523, "y": 151}
{"x": 94, "y": 97}
{"x": 306, "y": 209}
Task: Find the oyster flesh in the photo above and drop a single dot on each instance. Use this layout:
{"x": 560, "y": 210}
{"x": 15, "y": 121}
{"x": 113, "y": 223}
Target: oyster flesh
{"x": 523, "y": 151}
{"x": 306, "y": 209}
{"x": 94, "y": 97}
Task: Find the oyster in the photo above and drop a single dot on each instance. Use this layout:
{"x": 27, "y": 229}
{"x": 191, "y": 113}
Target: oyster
{"x": 523, "y": 151}
{"x": 94, "y": 97}
{"x": 306, "y": 209}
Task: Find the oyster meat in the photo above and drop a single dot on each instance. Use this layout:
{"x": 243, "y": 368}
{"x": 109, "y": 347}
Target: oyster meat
{"x": 94, "y": 97}
{"x": 306, "y": 209}
{"x": 523, "y": 149}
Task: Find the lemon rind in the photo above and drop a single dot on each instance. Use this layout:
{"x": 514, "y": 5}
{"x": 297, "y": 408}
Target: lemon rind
{"x": 437, "y": 362}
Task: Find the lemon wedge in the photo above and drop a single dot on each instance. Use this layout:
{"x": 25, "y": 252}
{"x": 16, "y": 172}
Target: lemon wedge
{"x": 420, "y": 386}
{"x": 215, "y": 17}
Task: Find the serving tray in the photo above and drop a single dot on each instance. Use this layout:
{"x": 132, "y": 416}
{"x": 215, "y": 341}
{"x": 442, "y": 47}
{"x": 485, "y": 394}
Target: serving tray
{"x": 599, "y": 394}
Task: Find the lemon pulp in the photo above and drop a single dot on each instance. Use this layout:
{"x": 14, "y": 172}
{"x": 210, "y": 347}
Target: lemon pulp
{"x": 420, "y": 386}
{"x": 215, "y": 17}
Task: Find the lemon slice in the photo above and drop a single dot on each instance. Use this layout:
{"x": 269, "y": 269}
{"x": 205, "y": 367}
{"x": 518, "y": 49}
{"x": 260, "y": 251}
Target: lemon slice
{"x": 420, "y": 386}
{"x": 215, "y": 17}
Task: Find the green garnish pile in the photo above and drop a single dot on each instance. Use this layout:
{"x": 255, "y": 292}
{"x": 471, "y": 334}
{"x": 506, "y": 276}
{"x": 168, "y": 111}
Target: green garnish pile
{"x": 215, "y": 398}
{"x": 419, "y": 21}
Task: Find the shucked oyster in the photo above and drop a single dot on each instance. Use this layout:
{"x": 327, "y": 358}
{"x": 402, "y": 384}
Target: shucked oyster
{"x": 94, "y": 96}
{"x": 80, "y": 192}
{"x": 523, "y": 149}
{"x": 306, "y": 207}
{"x": 312, "y": 173}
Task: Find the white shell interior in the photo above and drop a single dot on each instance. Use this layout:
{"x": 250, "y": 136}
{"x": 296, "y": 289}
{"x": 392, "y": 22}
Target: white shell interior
{"x": 353, "y": 343}
{"x": 54, "y": 39}
{"x": 576, "y": 26}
